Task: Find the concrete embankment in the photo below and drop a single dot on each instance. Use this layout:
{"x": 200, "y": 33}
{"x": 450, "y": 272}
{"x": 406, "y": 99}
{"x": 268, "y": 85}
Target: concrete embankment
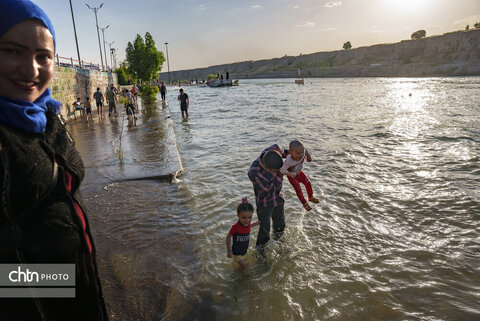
{"x": 117, "y": 148}
{"x": 69, "y": 83}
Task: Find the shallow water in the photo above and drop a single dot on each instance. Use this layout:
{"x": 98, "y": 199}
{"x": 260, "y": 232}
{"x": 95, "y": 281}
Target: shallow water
{"x": 395, "y": 236}
{"x": 396, "y": 167}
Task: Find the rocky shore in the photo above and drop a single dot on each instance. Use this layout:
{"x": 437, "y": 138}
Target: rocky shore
{"x": 452, "y": 54}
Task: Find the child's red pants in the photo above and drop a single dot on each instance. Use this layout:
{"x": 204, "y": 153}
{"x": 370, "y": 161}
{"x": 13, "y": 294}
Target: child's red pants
{"x": 301, "y": 178}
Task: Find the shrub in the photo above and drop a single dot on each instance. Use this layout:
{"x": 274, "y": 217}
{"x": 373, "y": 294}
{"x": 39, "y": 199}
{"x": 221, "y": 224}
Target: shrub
{"x": 122, "y": 76}
{"x": 418, "y": 34}
{"x": 148, "y": 93}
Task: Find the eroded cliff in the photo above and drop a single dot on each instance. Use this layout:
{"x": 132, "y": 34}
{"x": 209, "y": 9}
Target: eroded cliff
{"x": 452, "y": 54}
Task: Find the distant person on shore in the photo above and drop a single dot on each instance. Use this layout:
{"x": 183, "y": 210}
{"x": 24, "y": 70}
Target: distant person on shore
{"x": 163, "y": 91}
{"x": 292, "y": 167}
{"x": 112, "y": 102}
{"x": 240, "y": 233}
{"x": 135, "y": 93}
{"x": 77, "y": 105}
{"x": 184, "y": 102}
{"x": 88, "y": 109}
{"x": 99, "y": 99}
{"x": 267, "y": 183}
{"x": 129, "y": 106}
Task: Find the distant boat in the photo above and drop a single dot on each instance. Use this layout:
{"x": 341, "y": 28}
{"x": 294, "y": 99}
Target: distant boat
{"x": 221, "y": 83}
{"x": 299, "y": 80}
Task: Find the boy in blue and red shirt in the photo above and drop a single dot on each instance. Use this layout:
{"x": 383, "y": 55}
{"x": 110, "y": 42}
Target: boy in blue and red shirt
{"x": 240, "y": 233}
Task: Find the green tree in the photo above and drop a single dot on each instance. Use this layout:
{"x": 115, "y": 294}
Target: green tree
{"x": 477, "y": 25}
{"x": 347, "y": 45}
{"x": 418, "y": 34}
{"x": 144, "y": 63}
{"x": 122, "y": 75}
{"x": 144, "y": 60}
{"x": 467, "y": 27}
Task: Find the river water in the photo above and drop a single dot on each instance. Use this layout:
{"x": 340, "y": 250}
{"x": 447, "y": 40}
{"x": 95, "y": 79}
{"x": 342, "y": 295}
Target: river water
{"x": 396, "y": 235}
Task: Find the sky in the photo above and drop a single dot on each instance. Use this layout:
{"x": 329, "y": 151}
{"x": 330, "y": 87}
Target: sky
{"x": 202, "y": 33}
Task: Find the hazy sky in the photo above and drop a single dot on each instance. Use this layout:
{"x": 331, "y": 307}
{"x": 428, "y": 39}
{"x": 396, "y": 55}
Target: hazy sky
{"x": 203, "y": 33}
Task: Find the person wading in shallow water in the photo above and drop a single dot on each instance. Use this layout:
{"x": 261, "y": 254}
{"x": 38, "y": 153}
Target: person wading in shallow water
{"x": 163, "y": 91}
{"x": 267, "y": 183}
{"x": 184, "y": 102}
{"x": 42, "y": 216}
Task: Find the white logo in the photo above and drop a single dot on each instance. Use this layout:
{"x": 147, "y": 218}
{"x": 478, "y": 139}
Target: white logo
{"x": 20, "y": 276}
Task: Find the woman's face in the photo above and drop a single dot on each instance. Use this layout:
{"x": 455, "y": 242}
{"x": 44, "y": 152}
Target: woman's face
{"x": 27, "y": 57}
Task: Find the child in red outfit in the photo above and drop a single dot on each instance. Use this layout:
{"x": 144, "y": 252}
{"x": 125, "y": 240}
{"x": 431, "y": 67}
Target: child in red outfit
{"x": 240, "y": 232}
{"x": 292, "y": 167}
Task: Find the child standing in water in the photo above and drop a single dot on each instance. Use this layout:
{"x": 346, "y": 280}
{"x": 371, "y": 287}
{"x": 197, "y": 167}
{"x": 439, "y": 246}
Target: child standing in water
{"x": 240, "y": 232}
{"x": 88, "y": 109}
{"x": 292, "y": 167}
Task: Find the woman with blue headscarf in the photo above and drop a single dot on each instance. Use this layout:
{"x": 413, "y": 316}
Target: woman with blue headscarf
{"x": 42, "y": 217}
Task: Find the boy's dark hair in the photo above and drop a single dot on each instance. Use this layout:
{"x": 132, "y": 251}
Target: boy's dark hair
{"x": 272, "y": 159}
{"x": 244, "y": 206}
{"x": 88, "y": 98}
{"x": 295, "y": 144}
{"x": 181, "y": 89}
{"x": 98, "y": 88}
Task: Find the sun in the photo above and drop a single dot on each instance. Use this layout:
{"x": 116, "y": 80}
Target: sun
{"x": 407, "y": 5}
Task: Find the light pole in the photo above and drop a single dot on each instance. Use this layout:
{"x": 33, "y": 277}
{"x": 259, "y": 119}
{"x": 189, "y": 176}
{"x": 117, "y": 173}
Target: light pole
{"x": 95, "y": 10}
{"x": 115, "y": 57}
{"x": 104, "y": 51}
{"x": 168, "y": 63}
{"x": 75, "y": 32}
{"x": 111, "y": 52}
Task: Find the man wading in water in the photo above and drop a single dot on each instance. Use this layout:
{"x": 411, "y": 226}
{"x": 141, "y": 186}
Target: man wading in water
{"x": 183, "y": 99}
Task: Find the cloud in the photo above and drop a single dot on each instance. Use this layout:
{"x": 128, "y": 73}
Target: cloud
{"x": 296, "y": 7}
{"x": 328, "y": 29}
{"x": 307, "y": 24}
{"x": 375, "y": 29}
{"x": 200, "y": 7}
{"x": 332, "y": 4}
{"x": 468, "y": 20}
{"x": 256, "y": 6}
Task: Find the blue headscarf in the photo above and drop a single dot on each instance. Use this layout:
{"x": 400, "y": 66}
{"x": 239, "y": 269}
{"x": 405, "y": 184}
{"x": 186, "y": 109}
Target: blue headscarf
{"x": 21, "y": 114}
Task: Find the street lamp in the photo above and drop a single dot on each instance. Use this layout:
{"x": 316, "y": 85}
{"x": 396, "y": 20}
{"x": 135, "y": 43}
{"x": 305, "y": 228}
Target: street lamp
{"x": 114, "y": 52}
{"x": 95, "y": 10}
{"x": 104, "y": 51}
{"x": 168, "y": 64}
{"x": 111, "y": 51}
{"x": 75, "y": 32}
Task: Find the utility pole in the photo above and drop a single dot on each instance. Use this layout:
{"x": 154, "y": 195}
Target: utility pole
{"x": 111, "y": 52}
{"x": 168, "y": 63}
{"x": 115, "y": 57}
{"x": 104, "y": 51}
{"x": 95, "y": 10}
{"x": 75, "y": 32}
